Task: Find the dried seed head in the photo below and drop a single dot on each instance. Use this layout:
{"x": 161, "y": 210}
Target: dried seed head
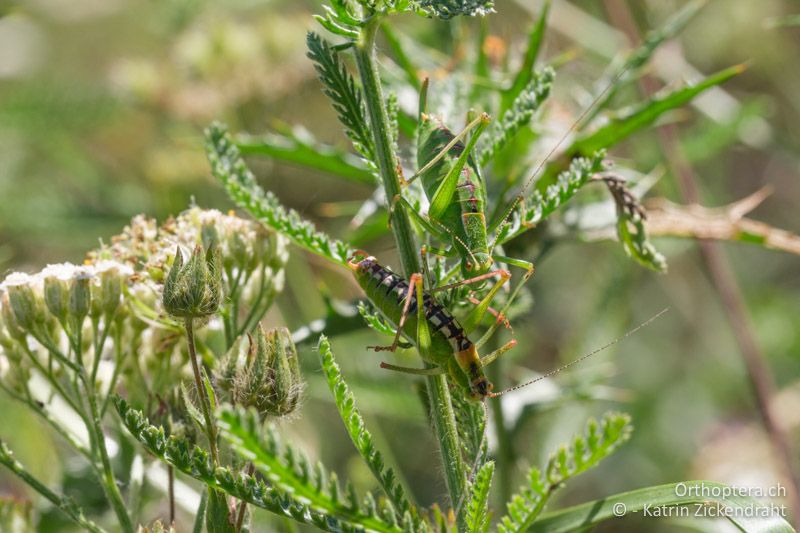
{"x": 194, "y": 290}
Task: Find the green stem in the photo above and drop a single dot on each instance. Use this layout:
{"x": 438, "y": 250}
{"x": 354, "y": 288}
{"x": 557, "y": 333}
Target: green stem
{"x": 438, "y": 393}
{"x": 68, "y": 507}
{"x": 386, "y": 159}
{"x": 505, "y": 447}
{"x": 108, "y": 478}
{"x": 205, "y": 402}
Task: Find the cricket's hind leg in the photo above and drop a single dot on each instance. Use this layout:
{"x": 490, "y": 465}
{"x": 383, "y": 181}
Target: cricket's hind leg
{"x": 529, "y": 271}
{"x": 416, "y": 279}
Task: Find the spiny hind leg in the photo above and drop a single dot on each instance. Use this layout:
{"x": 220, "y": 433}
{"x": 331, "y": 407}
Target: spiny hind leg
{"x": 471, "y": 321}
{"x": 529, "y": 271}
{"x": 435, "y": 371}
{"x": 416, "y": 279}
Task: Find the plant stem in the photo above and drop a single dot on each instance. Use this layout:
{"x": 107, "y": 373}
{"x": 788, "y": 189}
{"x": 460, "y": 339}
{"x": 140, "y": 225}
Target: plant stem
{"x": 243, "y": 504}
{"x": 438, "y": 393}
{"x": 205, "y": 402}
{"x": 505, "y": 447}
{"x": 68, "y": 507}
{"x": 386, "y": 159}
{"x": 171, "y": 494}
{"x": 108, "y": 478}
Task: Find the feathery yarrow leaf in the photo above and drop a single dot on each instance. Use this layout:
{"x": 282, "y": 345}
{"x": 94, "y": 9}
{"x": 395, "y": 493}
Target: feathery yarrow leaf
{"x": 340, "y": 87}
{"x": 518, "y": 114}
{"x": 361, "y": 437}
{"x": 599, "y": 440}
{"x": 538, "y": 206}
{"x": 294, "y": 491}
{"x": 447, "y": 9}
{"x": 478, "y": 515}
{"x": 240, "y": 184}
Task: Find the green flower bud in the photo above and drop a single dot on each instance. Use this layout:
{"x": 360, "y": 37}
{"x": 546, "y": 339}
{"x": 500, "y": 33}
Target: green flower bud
{"x": 270, "y": 381}
{"x": 10, "y": 320}
{"x": 28, "y": 309}
{"x": 194, "y": 290}
{"x": 56, "y": 296}
{"x": 80, "y": 295}
{"x": 108, "y": 294}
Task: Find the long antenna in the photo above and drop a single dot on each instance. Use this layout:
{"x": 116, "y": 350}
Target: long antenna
{"x": 582, "y": 358}
{"x": 553, "y": 150}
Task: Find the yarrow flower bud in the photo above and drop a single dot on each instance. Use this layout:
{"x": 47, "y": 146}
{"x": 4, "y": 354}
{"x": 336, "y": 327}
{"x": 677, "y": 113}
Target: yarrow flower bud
{"x": 194, "y": 290}
{"x": 80, "y": 295}
{"x": 269, "y": 380}
{"x": 28, "y": 309}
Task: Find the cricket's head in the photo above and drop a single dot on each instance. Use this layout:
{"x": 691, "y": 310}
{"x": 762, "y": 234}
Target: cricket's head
{"x": 476, "y": 264}
{"x": 360, "y": 261}
{"x": 481, "y": 388}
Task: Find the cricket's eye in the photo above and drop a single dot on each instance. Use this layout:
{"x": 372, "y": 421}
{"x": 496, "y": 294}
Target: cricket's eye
{"x": 469, "y": 265}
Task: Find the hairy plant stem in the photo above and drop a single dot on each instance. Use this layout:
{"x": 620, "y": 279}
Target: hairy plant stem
{"x": 438, "y": 393}
{"x": 205, "y": 401}
{"x": 109, "y": 480}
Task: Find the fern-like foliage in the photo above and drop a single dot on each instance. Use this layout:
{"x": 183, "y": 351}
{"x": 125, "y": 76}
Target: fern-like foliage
{"x": 478, "y": 516}
{"x": 599, "y": 440}
{"x": 341, "y": 18}
{"x": 229, "y": 168}
{"x": 362, "y": 439}
{"x": 447, "y": 9}
{"x": 539, "y": 206}
{"x": 519, "y": 114}
{"x": 295, "y": 490}
{"x": 346, "y": 97}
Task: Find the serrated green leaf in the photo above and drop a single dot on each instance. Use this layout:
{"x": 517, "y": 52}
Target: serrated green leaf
{"x": 477, "y": 510}
{"x": 747, "y": 514}
{"x": 525, "y": 73}
{"x": 538, "y": 206}
{"x": 289, "y": 493}
{"x": 522, "y": 109}
{"x": 598, "y": 442}
{"x": 447, "y": 9}
{"x": 228, "y": 167}
{"x": 346, "y": 97}
{"x": 646, "y": 113}
{"x": 361, "y": 437}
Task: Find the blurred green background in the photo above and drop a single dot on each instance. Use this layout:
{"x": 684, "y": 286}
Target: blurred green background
{"x": 102, "y": 106}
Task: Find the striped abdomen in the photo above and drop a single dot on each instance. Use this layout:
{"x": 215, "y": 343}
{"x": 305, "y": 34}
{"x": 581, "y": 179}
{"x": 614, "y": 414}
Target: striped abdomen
{"x": 450, "y": 348}
{"x": 388, "y": 292}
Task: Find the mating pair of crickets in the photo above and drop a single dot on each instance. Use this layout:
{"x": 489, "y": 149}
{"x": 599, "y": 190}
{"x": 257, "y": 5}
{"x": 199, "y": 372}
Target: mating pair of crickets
{"x": 453, "y": 184}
